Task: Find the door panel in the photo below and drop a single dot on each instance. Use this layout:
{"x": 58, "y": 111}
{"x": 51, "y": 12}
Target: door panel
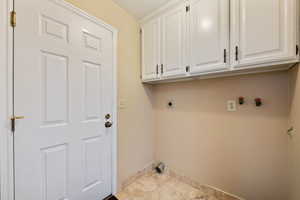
{"x": 55, "y": 172}
{"x": 93, "y": 172}
{"x": 209, "y": 35}
{"x": 151, "y": 49}
{"x": 173, "y": 41}
{"x": 92, "y": 96}
{"x": 263, "y": 31}
{"x": 64, "y": 88}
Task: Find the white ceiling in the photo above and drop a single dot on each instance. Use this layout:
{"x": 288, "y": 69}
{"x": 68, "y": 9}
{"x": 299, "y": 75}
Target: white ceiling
{"x": 140, "y": 8}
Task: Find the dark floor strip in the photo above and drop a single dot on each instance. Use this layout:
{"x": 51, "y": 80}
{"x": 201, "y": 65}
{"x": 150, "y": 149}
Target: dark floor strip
{"x": 111, "y": 198}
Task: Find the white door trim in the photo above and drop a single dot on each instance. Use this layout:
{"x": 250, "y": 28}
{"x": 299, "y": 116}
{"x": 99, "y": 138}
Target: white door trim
{"x": 6, "y": 100}
{"x": 6, "y": 137}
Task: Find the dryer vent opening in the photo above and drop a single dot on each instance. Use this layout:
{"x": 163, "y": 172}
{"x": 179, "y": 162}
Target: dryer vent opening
{"x": 160, "y": 168}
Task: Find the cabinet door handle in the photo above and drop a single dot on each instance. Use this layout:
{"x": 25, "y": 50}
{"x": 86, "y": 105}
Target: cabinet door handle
{"x": 157, "y": 69}
{"x": 225, "y": 56}
{"x": 187, "y": 69}
{"x": 236, "y": 53}
{"x": 162, "y": 68}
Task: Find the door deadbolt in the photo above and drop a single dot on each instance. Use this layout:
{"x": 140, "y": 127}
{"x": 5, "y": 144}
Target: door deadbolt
{"x": 107, "y": 116}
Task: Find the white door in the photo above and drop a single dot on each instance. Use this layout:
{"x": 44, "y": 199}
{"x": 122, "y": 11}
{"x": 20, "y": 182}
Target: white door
{"x": 174, "y": 42}
{"x": 263, "y": 31}
{"x": 209, "y": 35}
{"x": 151, "y": 50}
{"x": 63, "y": 88}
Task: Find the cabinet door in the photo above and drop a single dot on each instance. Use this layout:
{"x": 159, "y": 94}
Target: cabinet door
{"x": 209, "y": 35}
{"x": 263, "y": 31}
{"x": 173, "y": 41}
{"x": 150, "y": 49}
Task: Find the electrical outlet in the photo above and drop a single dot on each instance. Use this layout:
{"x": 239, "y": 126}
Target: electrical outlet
{"x": 231, "y": 106}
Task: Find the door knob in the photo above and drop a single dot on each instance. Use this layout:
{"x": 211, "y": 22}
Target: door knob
{"x": 13, "y": 122}
{"x": 108, "y": 124}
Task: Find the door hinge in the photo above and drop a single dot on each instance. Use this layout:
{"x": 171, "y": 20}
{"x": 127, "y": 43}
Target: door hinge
{"x": 162, "y": 68}
{"x": 187, "y": 8}
{"x": 297, "y": 49}
{"x": 236, "y": 53}
{"x": 13, "y": 18}
{"x": 187, "y": 68}
{"x": 225, "y": 56}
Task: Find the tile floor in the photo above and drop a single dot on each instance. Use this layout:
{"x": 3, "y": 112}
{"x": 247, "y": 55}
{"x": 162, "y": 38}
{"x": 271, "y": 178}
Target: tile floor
{"x": 152, "y": 186}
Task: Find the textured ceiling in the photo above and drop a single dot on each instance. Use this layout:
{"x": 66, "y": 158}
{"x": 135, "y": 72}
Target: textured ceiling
{"x": 140, "y": 8}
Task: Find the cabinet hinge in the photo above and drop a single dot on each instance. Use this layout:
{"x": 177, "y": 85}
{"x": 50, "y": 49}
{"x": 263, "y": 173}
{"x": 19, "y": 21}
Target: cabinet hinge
{"x": 162, "y": 68}
{"x": 297, "y": 49}
{"x": 13, "y": 19}
{"x": 187, "y": 8}
{"x": 187, "y": 68}
{"x": 236, "y": 53}
{"x": 225, "y": 56}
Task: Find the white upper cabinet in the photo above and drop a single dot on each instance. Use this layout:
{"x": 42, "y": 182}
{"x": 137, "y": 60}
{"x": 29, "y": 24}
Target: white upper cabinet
{"x": 263, "y": 32}
{"x": 173, "y": 41}
{"x": 151, "y": 50}
{"x": 209, "y": 35}
{"x": 190, "y": 38}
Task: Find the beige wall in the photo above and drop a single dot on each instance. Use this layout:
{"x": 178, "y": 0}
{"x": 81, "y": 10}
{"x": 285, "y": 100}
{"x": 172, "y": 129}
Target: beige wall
{"x": 294, "y": 116}
{"x": 136, "y": 134}
{"x": 243, "y": 152}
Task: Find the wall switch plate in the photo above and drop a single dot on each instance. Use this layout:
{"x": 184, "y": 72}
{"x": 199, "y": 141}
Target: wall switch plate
{"x": 122, "y": 104}
{"x": 231, "y": 106}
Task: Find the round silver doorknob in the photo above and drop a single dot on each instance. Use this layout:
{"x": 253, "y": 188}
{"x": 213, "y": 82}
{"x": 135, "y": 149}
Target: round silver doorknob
{"x": 108, "y": 124}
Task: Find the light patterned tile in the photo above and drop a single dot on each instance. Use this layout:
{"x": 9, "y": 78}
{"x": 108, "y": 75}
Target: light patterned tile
{"x": 169, "y": 186}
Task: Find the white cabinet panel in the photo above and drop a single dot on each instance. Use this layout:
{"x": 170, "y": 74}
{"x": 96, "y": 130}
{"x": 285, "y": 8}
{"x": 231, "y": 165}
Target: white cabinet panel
{"x": 209, "y": 35}
{"x": 151, "y": 49}
{"x": 263, "y": 31}
{"x": 173, "y": 41}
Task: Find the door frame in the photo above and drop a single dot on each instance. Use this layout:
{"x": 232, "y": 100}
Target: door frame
{"x": 6, "y": 94}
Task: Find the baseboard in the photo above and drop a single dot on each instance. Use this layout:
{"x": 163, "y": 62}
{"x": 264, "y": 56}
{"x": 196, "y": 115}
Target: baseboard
{"x": 147, "y": 169}
{"x": 225, "y": 193}
{"x": 216, "y": 192}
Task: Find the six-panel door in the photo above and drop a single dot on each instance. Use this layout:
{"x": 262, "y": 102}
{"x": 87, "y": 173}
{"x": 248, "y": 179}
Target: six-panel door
{"x": 209, "y": 35}
{"x": 263, "y": 31}
{"x": 63, "y": 85}
{"x": 151, "y": 50}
